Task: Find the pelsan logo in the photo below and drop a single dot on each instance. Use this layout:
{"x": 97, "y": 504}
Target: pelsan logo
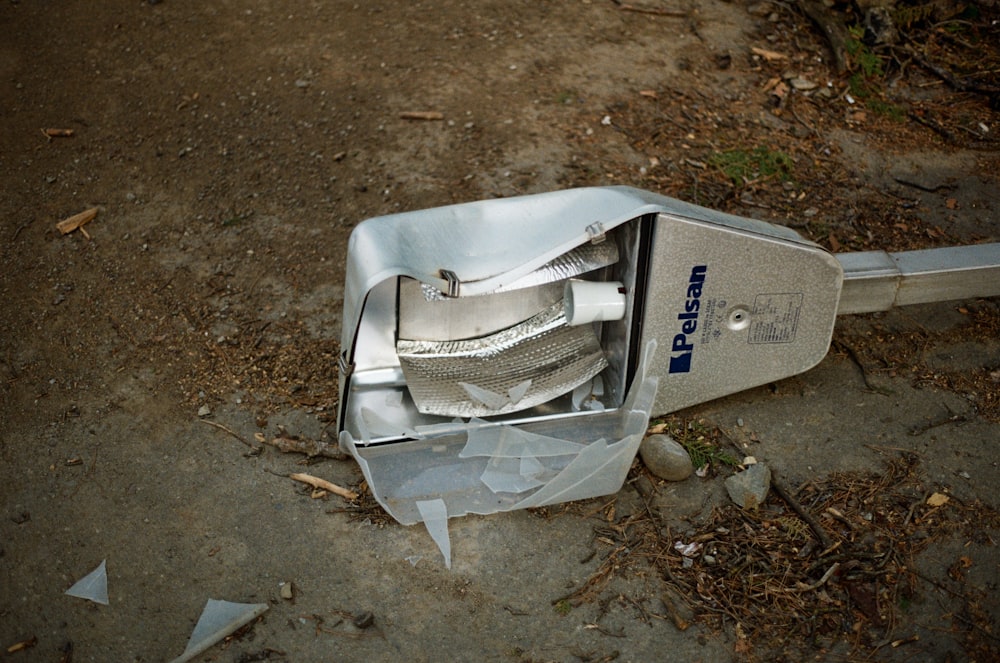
{"x": 681, "y": 347}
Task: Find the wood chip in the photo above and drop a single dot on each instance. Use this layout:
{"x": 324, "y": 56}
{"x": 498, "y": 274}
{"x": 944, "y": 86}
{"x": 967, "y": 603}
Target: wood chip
{"x": 421, "y": 115}
{"x": 323, "y": 484}
{"x": 57, "y": 133}
{"x": 66, "y": 226}
{"x": 770, "y": 56}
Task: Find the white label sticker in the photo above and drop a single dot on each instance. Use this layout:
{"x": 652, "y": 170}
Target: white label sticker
{"x": 775, "y": 317}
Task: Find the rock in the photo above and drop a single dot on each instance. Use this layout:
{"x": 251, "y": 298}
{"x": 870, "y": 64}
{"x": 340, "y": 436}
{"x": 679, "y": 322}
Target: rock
{"x": 666, "y": 458}
{"x": 364, "y": 620}
{"x": 204, "y": 411}
{"x": 749, "y": 488}
{"x": 287, "y": 591}
{"x": 803, "y": 84}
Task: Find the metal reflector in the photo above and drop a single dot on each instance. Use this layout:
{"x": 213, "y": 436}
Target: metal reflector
{"x": 582, "y": 259}
{"x": 427, "y": 314}
{"x": 511, "y": 370}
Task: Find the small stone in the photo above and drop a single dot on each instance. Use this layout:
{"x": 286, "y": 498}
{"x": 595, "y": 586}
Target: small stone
{"x": 204, "y": 411}
{"x": 666, "y": 458}
{"x": 287, "y": 591}
{"x": 803, "y": 84}
{"x": 748, "y": 489}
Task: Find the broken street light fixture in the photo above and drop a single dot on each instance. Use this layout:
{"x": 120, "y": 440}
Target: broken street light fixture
{"x": 508, "y": 353}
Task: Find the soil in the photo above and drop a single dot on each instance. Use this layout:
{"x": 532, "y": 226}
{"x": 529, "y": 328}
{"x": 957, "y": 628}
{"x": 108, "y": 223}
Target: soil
{"x": 230, "y": 147}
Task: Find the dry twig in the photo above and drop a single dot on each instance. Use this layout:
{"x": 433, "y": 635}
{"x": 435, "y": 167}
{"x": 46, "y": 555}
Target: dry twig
{"x": 323, "y": 484}
{"x": 814, "y": 525}
{"x": 228, "y": 430}
{"x": 311, "y": 448}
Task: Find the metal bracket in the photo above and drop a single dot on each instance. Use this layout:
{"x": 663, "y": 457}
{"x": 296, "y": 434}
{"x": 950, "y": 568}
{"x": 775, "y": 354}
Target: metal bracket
{"x": 454, "y": 284}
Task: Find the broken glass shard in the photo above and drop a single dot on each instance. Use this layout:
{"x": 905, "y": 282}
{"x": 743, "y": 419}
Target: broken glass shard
{"x": 511, "y": 442}
{"x": 93, "y": 586}
{"x": 435, "y": 517}
{"x": 218, "y": 619}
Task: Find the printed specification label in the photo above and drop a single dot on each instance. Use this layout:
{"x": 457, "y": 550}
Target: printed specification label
{"x": 775, "y": 317}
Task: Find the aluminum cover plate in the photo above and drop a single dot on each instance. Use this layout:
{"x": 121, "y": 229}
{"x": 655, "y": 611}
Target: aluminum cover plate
{"x": 733, "y": 309}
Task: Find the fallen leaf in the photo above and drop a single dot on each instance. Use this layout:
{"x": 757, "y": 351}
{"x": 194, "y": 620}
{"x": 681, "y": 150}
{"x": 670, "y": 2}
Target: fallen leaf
{"x": 951, "y": 203}
{"x": 834, "y": 244}
{"x": 937, "y": 499}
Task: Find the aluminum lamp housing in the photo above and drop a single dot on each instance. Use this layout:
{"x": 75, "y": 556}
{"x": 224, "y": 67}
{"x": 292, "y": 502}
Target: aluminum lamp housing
{"x": 455, "y": 332}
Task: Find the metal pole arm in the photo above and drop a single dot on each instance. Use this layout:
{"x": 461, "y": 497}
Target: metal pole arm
{"x": 878, "y": 281}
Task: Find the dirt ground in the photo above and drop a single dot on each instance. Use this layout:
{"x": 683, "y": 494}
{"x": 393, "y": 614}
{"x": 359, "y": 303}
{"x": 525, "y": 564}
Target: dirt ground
{"x": 231, "y": 146}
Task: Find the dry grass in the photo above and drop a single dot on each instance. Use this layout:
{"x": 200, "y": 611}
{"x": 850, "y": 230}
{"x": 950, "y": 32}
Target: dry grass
{"x": 764, "y": 574}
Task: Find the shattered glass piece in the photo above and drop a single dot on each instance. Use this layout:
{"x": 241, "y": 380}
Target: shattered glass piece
{"x": 484, "y": 397}
{"x": 543, "y": 349}
{"x": 511, "y": 442}
{"x": 366, "y": 437}
{"x": 379, "y": 426}
{"x": 517, "y": 392}
{"x": 93, "y": 586}
{"x": 456, "y": 425}
{"x": 532, "y": 468}
{"x": 218, "y": 619}
{"x": 585, "y": 397}
{"x": 580, "y": 475}
{"x": 435, "y": 516}
{"x": 449, "y": 467}
{"x": 503, "y": 475}
{"x": 601, "y": 468}
{"x": 581, "y": 394}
